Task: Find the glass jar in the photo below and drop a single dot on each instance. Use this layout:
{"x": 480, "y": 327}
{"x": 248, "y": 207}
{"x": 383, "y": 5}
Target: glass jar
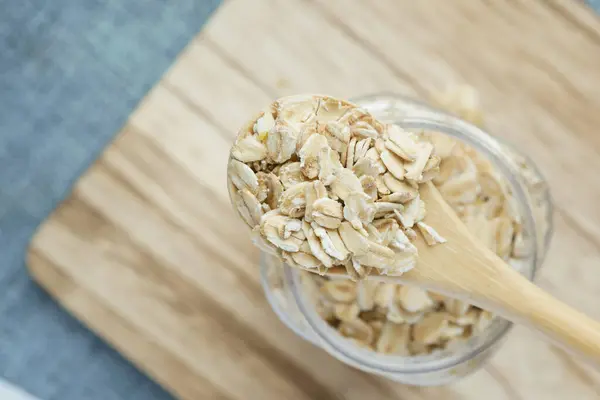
{"x": 285, "y": 291}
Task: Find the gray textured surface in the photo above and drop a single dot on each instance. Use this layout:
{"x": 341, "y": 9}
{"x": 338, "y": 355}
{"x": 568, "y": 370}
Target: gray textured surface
{"x": 70, "y": 74}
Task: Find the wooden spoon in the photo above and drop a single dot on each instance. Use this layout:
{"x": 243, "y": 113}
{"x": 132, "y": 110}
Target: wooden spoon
{"x": 464, "y": 268}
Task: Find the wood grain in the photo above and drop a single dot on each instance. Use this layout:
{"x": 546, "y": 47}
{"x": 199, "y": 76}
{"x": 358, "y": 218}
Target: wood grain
{"x": 147, "y": 252}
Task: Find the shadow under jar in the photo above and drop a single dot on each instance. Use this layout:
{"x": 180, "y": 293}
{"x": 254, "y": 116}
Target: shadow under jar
{"x": 294, "y": 302}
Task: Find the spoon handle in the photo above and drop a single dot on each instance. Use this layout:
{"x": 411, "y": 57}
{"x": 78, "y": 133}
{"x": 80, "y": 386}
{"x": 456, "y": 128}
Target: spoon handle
{"x": 498, "y": 288}
{"x": 523, "y": 302}
{"x": 464, "y": 268}
{"x": 510, "y": 295}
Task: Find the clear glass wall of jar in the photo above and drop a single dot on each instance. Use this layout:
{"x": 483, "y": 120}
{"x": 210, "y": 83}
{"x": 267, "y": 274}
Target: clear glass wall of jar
{"x": 284, "y": 289}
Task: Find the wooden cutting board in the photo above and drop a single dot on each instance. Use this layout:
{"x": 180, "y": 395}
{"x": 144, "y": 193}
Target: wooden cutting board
{"x": 147, "y": 252}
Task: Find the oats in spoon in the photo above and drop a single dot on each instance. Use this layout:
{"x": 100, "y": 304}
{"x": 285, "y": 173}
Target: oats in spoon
{"x": 325, "y": 185}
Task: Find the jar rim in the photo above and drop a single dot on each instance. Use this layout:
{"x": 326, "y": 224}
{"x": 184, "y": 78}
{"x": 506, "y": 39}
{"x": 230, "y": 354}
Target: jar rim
{"x": 420, "y": 116}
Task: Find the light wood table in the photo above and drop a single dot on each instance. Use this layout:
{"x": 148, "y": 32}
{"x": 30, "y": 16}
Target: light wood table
{"x": 147, "y": 252}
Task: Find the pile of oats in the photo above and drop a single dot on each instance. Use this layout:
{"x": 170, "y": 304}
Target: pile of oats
{"x": 409, "y": 321}
{"x": 392, "y": 318}
{"x": 324, "y": 185}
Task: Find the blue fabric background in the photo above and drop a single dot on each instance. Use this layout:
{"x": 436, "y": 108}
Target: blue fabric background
{"x": 70, "y": 74}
